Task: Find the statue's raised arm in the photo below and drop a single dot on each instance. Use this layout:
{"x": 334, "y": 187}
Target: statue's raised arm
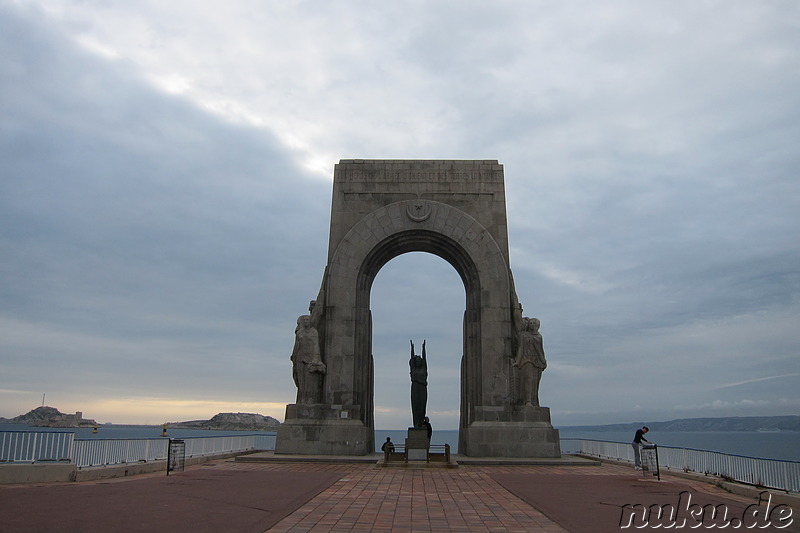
{"x": 517, "y": 325}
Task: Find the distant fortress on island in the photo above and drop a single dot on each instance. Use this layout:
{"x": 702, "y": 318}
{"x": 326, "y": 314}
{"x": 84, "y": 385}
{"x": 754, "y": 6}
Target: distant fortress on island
{"x": 50, "y": 417}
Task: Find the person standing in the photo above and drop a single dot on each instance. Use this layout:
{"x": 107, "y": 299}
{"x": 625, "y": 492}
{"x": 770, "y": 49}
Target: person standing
{"x": 637, "y": 445}
{"x": 426, "y": 423}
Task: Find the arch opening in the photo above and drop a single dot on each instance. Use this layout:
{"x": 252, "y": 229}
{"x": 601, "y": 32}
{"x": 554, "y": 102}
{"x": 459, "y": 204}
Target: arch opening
{"x": 420, "y": 240}
{"x": 416, "y": 296}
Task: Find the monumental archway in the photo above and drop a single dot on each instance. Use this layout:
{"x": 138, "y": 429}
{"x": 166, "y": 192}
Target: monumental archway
{"x": 382, "y": 209}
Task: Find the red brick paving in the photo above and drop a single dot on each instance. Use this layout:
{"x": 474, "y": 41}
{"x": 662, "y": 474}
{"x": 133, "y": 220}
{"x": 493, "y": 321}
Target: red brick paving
{"x": 200, "y": 500}
{"x": 471, "y": 499}
{"x": 230, "y": 497}
{"x": 596, "y": 502}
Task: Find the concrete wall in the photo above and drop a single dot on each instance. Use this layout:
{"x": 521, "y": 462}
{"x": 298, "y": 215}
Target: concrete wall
{"x": 60, "y": 472}
{"x": 37, "y": 473}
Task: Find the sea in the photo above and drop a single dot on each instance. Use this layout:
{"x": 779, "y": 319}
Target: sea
{"x": 782, "y": 445}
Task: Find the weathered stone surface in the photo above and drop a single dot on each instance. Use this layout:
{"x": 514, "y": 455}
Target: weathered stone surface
{"x": 510, "y": 440}
{"x": 323, "y": 437}
{"x": 453, "y": 209}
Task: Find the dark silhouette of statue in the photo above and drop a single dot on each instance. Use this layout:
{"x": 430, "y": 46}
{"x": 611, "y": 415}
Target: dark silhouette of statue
{"x": 419, "y": 386}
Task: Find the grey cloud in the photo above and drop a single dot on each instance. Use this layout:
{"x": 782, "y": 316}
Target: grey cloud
{"x": 650, "y": 159}
{"x": 162, "y": 238}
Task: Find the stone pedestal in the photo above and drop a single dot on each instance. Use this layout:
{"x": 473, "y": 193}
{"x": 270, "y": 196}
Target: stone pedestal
{"x": 321, "y": 429}
{"x": 519, "y": 431}
{"x": 417, "y": 444}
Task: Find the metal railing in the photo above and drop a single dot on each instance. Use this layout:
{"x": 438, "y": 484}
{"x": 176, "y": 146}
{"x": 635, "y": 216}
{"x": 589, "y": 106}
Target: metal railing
{"x": 101, "y": 452}
{"x": 769, "y": 473}
{"x": 439, "y": 452}
{"x": 264, "y": 442}
{"x": 38, "y": 446}
{"x": 204, "y": 446}
{"x": 35, "y": 446}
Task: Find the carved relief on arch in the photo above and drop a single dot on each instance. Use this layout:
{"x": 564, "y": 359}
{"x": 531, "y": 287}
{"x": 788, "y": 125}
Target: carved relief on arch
{"x": 418, "y": 210}
{"x": 436, "y": 217}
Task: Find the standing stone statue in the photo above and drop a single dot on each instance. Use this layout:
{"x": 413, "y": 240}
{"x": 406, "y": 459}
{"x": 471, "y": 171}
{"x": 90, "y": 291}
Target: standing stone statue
{"x": 307, "y": 366}
{"x": 529, "y": 360}
{"x": 419, "y": 386}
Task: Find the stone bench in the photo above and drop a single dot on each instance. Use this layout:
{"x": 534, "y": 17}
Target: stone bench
{"x": 437, "y": 453}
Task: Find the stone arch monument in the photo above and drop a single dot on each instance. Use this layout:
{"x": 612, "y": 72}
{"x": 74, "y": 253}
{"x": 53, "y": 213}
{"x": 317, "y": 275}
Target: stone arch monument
{"x": 382, "y": 209}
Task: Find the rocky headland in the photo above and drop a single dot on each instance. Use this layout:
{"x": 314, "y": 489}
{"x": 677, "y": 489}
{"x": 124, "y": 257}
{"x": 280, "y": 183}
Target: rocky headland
{"x": 231, "y": 422}
{"x": 50, "y": 417}
{"x": 729, "y": 423}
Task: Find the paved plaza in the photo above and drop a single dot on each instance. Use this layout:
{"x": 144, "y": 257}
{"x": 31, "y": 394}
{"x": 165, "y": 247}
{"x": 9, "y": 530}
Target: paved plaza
{"x": 231, "y": 496}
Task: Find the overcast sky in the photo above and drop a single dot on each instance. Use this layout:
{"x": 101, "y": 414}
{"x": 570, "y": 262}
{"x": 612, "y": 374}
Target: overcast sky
{"x": 165, "y": 189}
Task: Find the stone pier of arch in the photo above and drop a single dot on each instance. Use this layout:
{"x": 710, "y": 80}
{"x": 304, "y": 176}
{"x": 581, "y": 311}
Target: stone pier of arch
{"x": 456, "y": 210}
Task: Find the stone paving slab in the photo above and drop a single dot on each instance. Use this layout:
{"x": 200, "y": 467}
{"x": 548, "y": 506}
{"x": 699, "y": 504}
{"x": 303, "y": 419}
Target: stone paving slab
{"x": 271, "y": 456}
{"x": 564, "y": 460}
{"x": 374, "y": 499}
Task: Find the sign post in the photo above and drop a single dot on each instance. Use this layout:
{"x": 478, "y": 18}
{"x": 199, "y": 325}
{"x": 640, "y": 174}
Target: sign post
{"x": 176, "y": 455}
{"x": 650, "y": 460}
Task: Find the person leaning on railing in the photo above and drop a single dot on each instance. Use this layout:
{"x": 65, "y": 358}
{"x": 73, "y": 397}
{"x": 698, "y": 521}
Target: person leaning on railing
{"x": 637, "y": 444}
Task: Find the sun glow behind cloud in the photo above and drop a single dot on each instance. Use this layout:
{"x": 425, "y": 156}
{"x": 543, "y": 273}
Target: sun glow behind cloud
{"x": 158, "y": 410}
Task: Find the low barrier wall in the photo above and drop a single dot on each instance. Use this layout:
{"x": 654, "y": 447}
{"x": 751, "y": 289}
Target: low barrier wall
{"x": 37, "y": 473}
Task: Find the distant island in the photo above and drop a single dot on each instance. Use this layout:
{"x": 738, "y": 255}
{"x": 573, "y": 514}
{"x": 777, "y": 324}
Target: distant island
{"x": 50, "y": 417}
{"x": 231, "y": 422}
{"x": 729, "y": 423}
